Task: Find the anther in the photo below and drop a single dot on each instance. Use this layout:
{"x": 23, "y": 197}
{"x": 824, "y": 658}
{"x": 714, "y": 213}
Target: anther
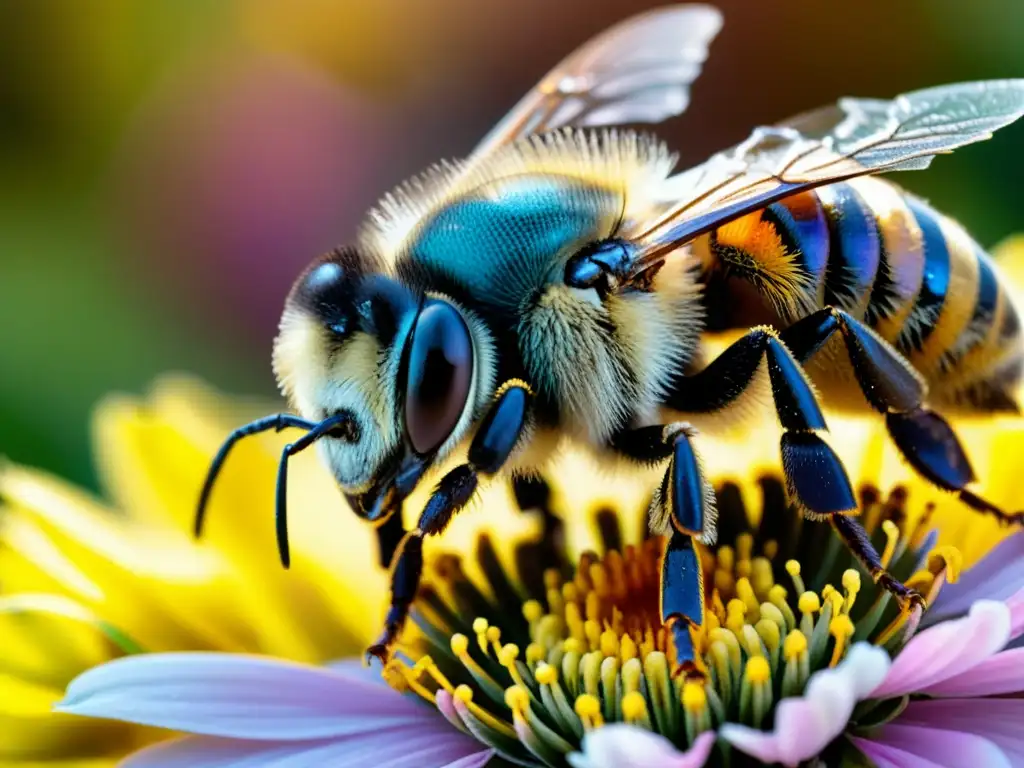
{"x": 892, "y": 537}
{"x": 588, "y": 709}
{"x": 841, "y": 628}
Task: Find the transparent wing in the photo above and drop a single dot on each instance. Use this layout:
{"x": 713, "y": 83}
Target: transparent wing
{"x": 853, "y": 138}
{"x": 639, "y": 71}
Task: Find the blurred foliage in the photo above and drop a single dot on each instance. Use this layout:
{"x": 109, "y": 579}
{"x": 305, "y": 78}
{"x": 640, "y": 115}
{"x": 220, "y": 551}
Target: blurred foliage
{"x": 167, "y": 166}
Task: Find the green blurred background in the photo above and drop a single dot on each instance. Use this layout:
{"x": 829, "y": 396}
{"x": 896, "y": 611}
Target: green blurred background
{"x": 168, "y": 166}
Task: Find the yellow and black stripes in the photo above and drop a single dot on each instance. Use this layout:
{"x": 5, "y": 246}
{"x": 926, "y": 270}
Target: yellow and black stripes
{"x": 889, "y": 260}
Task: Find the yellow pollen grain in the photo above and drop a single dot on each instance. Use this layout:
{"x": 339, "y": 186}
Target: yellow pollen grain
{"x": 546, "y": 674}
{"x": 493, "y": 635}
{"x": 634, "y": 706}
{"x": 572, "y": 645}
{"x": 841, "y": 628}
{"x": 588, "y": 708}
{"x": 892, "y": 537}
{"x": 627, "y": 648}
{"x": 770, "y": 549}
{"x": 947, "y": 557}
{"x": 794, "y": 645}
{"x": 609, "y": 643}
{"x": 508, "y": 655}
{"x": 460, "y": 644}
{"x": 793, "y": 567}
{"x": 851, "y": 583}
{"x": 517, "y": 699}
{"x": 464, "y": 694}
{"x": 777, "y": 594}
{"x": 532, "y": 611}
{"x": 480, "y": 625}
{"x": 809, "y": 602}
{"x": 758, "y": 670}
{"x": 694, "y": 698}
{"x": 534, "y": 653}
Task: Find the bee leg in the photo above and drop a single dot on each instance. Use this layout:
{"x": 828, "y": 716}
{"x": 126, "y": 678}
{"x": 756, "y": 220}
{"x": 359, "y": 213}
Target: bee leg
{"x": 857, "y": 541}
{"x": 895, "y": 390}
{"x": 815, "y": 477}
{"x": 496, "y": 438}
{"x": 684, "y": 508}
{"x": 389, "y": 536}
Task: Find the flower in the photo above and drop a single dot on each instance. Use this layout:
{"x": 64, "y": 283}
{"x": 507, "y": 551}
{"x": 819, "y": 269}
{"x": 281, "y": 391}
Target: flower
{"x": 85, "y": 583}
{"x": 535, "y": 655}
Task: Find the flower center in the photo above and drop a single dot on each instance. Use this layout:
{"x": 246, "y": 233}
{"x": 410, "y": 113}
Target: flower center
{"x": 529, "y": 676}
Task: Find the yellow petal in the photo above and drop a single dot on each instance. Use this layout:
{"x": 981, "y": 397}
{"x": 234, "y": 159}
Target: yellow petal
{"x": 30, "y": 731}
{"x": 153, "y": 582}
{"x": 49, "y": 639}
{"x": 152, "y": 464}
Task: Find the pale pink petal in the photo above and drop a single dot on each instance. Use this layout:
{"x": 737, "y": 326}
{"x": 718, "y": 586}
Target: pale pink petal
{"x": 626, "y": 746}
{"x": 948, "y": 749}
{"x": 1001, "y": 721}
{"x": 947, "y": 649}
{"x": 998, "y": 576}
{"x": 885, "y": 756}
{"x": 804, "y": 725}
{"x": 415, "y": 747}
{"x": 996, "y": 675}
{"x": 245, "y": 697}
{"x": 1016, "y": 606}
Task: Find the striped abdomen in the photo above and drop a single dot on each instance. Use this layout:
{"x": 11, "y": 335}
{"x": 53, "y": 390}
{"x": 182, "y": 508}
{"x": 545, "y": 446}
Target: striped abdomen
{"x": 909, "y": 272}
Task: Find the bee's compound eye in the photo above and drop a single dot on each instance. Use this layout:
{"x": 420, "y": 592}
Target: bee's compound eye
{"x": 439, "y": 369}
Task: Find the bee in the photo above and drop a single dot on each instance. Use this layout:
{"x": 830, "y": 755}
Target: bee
{"x": 557, "y": 285}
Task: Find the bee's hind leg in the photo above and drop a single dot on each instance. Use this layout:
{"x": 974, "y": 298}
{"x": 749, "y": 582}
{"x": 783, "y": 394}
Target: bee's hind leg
{"x": 684, "y": 509}
{"x": 815, "y": 477}
{"x": 499, "y": 433}
{"x": 895, "y": 390}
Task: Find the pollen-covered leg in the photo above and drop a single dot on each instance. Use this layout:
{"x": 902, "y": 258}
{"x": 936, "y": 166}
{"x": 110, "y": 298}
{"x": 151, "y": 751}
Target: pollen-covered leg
{"x": 894, "y": 389}
{"x": 857, "y": 540}
{"x": 682, "y": 599}
{"x": 815, "y": 477}
{"x": 684, "y": 509}
{"x": 499, "y": 432}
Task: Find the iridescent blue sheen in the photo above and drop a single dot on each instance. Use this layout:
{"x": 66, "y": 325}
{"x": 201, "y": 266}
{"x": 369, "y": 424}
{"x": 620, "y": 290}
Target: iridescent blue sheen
{"x": 854, "y": 246}
{"x": 935, "y": 284}
{"x": 800, "y": 223}
{"x": 508, "y": 242}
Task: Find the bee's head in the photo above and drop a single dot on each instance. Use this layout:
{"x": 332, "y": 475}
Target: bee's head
{"x": 408, "y": 372}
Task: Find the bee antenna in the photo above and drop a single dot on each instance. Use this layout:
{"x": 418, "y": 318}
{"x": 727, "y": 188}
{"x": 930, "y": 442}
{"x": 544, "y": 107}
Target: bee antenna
{"x": 316, "y": 431}
{"x": 277, "y": 422}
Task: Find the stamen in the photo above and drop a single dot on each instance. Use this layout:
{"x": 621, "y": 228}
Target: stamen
{"x": 695, "y": 710}
{"x": 794, "y": 650}
{"x": 892, "y": 537}
{"x": 809, "y": 604}
{"x": 634, "y": 710}
{"x": 589, "y": 710}
{"x": 851, "y": 583}
{"x": 755, "y": 695}
{"x": 460, "y": 648}
{"x": 589, "y": 647}
{"x": 841, "y": 628}
{"x": 793, "y": 569}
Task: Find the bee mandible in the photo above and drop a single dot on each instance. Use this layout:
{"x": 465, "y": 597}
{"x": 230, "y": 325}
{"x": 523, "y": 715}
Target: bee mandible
{"x": 557, "y": 283}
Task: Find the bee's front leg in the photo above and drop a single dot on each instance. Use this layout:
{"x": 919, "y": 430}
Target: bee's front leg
{"x": 684, "y": 509}
{"x": 496, "y": 438}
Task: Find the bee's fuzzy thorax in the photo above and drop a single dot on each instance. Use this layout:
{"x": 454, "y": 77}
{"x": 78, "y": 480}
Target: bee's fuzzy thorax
{"x": 628, "y": 165}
